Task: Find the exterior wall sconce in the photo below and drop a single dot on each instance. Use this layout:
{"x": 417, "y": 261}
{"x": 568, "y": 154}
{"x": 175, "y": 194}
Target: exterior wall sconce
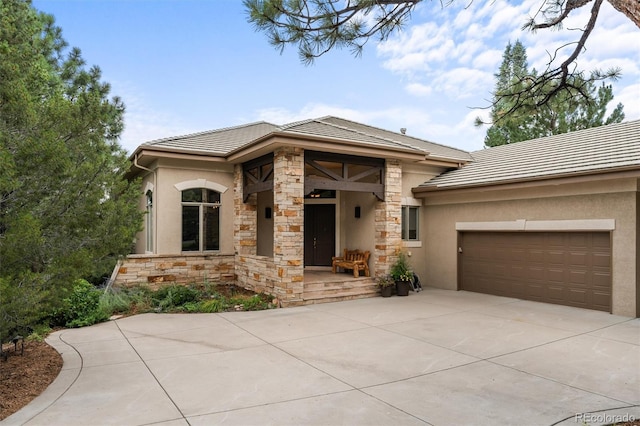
{"x": 267, "y": 212}
{"x": 357, "y": 212}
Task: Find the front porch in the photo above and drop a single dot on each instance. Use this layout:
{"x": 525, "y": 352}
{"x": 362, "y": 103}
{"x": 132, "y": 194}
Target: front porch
{"x": 285, "y": 227}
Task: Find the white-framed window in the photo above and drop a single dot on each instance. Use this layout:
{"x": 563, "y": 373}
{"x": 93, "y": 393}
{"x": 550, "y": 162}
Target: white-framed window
{"x": 200, "y": 219}
{"x": 410, "y": 223}
{"x": 149, "y": 225}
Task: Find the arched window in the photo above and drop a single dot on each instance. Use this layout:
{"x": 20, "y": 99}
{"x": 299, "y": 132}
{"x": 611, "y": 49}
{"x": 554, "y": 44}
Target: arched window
{"x": 200, "y": 219}
{"x": 149, "y": 227}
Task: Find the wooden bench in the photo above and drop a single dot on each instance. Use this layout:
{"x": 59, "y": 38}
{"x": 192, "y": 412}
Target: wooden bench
{"x": 352, "y": 259}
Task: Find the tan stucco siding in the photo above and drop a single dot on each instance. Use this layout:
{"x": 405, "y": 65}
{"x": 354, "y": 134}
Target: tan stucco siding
{"x": 615, "y": 200}
{"x": 265, "y": 224}
{"x": 357, "y": 233}
{"x": 167, "y": 201}
{"x": 148, "y": 184}
{"x": 413, "y": 176}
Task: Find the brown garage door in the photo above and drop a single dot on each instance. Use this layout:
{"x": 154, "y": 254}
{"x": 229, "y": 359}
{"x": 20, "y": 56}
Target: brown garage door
{"x": 567, "y": 268}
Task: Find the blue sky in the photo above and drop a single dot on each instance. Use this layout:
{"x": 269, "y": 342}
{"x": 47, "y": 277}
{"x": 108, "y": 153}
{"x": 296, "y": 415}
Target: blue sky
{"x": 184, "y": 66}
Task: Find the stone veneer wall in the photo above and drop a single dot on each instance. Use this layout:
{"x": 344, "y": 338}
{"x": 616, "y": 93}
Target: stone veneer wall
{"x": 388, "y": 220}
{"x": 282, "y": 275}
{"x": 157, "y": 270}
{"x": 253, "y": 272}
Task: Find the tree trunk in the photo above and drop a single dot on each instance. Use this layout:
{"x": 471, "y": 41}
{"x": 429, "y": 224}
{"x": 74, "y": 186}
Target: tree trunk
{"x": 631, "y": 8}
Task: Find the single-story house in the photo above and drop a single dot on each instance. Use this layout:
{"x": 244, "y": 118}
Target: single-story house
{"x": 266, "y": 206}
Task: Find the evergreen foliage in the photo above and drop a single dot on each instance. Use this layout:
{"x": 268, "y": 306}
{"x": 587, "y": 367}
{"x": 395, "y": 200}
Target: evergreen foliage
{"x": 66, "y": 211}
{"x": 563, "y": 113}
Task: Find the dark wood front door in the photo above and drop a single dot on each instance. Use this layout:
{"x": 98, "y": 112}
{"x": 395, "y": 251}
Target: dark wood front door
{"x": 319, "y": 234}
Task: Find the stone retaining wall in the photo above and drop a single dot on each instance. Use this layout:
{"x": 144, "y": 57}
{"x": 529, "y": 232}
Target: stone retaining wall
{"x": 157, "y": 270}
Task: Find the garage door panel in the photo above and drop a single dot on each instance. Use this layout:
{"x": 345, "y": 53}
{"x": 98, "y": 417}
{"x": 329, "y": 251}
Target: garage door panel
{"x": 554, "y": 257}
{"x": 601, "y": 281}
{"x": 536, "y": 273}
{"x": 556, "y": 293}
{"x": 602, "y": 241}
{"x": 578, "y": 258}
{"x": 579, "y": 239}
{"x": 578, "y": 277}
{"x": 578, "y": 295}
{"x": 602, "y": 260}
{"x": 602, "y": 299}
{"x": 555, "y": 275}
{"x": 556, "y": 267}
{"x": 536, "y": 255}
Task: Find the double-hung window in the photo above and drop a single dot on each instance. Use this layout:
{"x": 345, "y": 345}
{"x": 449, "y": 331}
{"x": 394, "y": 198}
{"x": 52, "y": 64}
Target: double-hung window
{"x": 200, "y": 219}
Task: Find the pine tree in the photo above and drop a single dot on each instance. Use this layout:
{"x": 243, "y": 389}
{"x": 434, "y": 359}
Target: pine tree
{"x": 66, "y": 211}
{"x": 563, "y": 113}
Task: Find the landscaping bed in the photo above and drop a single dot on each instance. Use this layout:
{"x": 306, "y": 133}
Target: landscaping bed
{"x": 25, "y": 376}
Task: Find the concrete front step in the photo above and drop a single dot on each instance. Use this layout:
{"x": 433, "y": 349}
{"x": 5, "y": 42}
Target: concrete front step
{"x": 332, "y": 291}
{"x": 341, "y": 298}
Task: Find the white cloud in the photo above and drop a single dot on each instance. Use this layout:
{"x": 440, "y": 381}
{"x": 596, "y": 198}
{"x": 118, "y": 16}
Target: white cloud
{"x": 418, "y": 89}
{"x": 629, "y": 96}
{"x": 463, "y": 82}
{"x": 488, "y": 60}
{"x": 280, "y": 116}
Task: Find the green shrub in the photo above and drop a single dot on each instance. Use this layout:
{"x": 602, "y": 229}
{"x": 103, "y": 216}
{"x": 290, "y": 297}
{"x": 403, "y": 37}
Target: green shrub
{"x": 82, "y": 308}
{"x": 174, "y": 295}
{"x": 114, "y": 302}
{"x": 39, "y": 332}
{"x": 139, "y": 298}
{"x": 256, "y": 302}
{"x": 212, "y": 306}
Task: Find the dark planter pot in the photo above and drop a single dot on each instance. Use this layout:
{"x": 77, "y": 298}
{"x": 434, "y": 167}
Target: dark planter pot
{"x": 386, "y": 291}
{"x": 403, "y": 287}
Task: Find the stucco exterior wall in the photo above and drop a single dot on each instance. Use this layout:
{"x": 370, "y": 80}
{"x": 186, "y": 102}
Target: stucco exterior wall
{"x": 412, "y": 176}
{"x": 357, "y": 233}
{"x": 265, "y": 224}
{"x": 148, "y": 184}
{"x": 167, "y": 200}
{"x": 611, "y": 199}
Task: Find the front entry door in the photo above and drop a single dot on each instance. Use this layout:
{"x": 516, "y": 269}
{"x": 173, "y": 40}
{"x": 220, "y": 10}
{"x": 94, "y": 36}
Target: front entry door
{"x": 319, "y": 234}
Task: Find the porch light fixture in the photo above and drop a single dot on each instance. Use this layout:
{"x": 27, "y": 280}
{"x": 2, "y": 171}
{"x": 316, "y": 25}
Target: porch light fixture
{"x": 357, "y": 213}
{"x": 267, "y": 212}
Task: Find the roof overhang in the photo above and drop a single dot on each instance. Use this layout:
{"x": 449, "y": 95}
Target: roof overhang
{"x": 144, "y": 156}
{"x": 580, "y": 177}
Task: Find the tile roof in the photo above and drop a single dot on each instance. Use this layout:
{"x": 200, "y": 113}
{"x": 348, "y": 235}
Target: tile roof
{"x": 216, "y": 142}
{"x": 224, "y": 141}
{"x": 598, "y": 149}
{"x": 434, "y": 149}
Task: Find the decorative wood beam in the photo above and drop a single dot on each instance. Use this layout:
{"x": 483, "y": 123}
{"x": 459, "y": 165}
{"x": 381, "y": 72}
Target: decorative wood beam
{"x": 257, "y": 177}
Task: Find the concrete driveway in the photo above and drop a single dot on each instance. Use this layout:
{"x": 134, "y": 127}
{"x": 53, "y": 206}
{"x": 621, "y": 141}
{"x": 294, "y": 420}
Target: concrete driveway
{"x": 436, "y": 357}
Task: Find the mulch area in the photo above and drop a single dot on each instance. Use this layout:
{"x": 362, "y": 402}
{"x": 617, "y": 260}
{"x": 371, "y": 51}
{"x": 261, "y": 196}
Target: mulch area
{"x": 24, "y": 377}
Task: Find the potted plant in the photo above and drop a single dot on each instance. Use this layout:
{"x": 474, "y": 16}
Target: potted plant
{"x": 386, "y": 284}
{"x": 402, "y": 274}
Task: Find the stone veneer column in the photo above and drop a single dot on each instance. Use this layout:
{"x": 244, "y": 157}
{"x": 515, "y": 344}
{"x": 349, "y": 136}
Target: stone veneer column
{"x": 288, "y": 221}
{"x": 245, "y": 227}
{"x": 388, "y": 236}
{"x": 245, "y": 222}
